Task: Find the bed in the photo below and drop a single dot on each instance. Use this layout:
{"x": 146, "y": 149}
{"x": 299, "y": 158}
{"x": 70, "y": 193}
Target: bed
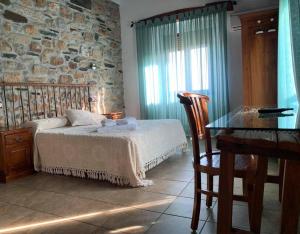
{"x": 115, "y": 154}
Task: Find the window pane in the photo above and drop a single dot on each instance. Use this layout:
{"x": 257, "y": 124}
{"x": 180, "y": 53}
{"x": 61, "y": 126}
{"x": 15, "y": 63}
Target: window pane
{"x": 152, "y": 84}
{"x": 176, "y": 71}
{"x": 199, "y": 69}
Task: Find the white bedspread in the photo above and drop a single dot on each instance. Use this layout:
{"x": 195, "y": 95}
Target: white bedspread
{"x": 118, "y": 155}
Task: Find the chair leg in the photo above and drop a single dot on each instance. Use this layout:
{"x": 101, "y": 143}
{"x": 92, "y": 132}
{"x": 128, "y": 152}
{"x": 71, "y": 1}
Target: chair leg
{"x": 197, "y": 202}
{"x": 281, "y": 174}
{"x": 210, "y": 188}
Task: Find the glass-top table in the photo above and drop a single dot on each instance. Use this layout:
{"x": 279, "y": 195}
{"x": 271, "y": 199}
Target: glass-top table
{"x": 248, "y": 118}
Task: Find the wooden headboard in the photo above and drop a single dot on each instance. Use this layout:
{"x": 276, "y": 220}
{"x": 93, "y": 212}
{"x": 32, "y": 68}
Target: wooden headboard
{"x": 28, "y": 101}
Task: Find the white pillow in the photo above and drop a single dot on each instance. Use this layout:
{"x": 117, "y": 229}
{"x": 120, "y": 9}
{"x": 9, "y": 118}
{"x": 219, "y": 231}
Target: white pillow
{"x": 81, "y": 117}
{"x": 41, "y": 124}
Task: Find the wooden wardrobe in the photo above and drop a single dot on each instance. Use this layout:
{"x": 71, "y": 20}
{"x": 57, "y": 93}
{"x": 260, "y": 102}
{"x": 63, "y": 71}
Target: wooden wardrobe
{"x": 260, "y": 46}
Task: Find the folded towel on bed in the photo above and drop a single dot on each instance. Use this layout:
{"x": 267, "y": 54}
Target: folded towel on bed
{"x": 108, "y": 123}
{"x": 127, "y": 120}
{"x": 117, "y": 128}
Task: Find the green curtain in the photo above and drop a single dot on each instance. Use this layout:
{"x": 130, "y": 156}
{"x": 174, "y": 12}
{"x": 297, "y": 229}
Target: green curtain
{"x": 183, "y": 53}
{"x": 289, "y": 54}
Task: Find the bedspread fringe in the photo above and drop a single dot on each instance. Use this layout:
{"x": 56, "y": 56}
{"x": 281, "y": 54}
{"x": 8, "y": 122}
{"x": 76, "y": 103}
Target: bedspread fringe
{"x": 153, "y": 163}
{"x": 84, "y": 173}
{"x": 103, "y": 175}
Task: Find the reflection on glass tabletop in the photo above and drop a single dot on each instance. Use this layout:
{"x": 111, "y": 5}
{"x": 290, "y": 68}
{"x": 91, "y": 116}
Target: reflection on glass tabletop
{"x": 249, "y": 118}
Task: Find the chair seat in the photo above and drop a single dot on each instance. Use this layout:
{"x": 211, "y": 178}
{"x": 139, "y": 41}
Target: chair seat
{"x": 242, "y": 164}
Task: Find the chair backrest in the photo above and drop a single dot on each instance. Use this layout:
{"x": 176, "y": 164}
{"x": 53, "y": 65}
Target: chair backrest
{"x": 196, "y": 107}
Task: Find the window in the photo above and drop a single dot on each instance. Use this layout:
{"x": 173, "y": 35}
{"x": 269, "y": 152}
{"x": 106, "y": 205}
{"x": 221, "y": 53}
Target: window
{"x": 152, "y": 84}
{"x": 199, "y": 69}
{"x": 177, "y": 74}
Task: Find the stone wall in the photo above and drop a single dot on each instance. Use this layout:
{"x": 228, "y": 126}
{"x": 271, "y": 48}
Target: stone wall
{"x": 59, "y": 40}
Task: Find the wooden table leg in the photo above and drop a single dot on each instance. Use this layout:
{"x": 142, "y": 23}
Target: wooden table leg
{"x": 224, "y": 225}
{"x": 291, "y": 198}
{"x": 257, "y": 196}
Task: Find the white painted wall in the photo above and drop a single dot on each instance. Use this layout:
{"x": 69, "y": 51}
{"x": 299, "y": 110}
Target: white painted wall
{"x": 134, "y": 10}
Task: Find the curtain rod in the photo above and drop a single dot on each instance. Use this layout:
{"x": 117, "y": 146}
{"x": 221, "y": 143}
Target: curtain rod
{"x": 176, "y": 12}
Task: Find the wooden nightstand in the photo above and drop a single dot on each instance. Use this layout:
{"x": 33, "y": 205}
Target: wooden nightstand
{"x": 114, "y": 115}
{"x": 15, "y": 153}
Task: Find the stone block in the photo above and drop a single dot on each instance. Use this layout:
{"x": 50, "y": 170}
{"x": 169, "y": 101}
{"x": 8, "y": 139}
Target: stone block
{"x": 20, "y": 49}
{"x": 88, "y": 36}
{"x": 65, "y": 12}
{"x": 31, "y": 29}
{"x": 9, "y": 55}
{"x": 78, "y": 18}
{"x": 5, "y": 46}
{"x": 40, "y": 3}
{"x": 7, "y": 27}
{"x": 19, "y": 38}
{"x": 60, "y": 45}
{"x": 97, "y": 53}
{"x": 9, "y": 65}
{"x": 46, "y": 54}
{"x": 72, "y": 65}
{"x": 64, "y": 69}
{"x": 27, "y": 3}
{"x": 65, "y": 79}
{"x": 61, "y": 23}
{"x": 56, "y": 61}
{"x": 50, "y": 33}
{"x": 35, "y": 47}
{"x": 47, "y": 43}
{"x": 12, "y": 77}
{"x": 10, "y": 15}
{"x": 5, "y": 2}
{"x": 78, "y": 59}
{"x": 53, "y": 6}
{"x": 37, "y": 79}
{"x": 38, "y": 69}
{"x": 67, "y": 36}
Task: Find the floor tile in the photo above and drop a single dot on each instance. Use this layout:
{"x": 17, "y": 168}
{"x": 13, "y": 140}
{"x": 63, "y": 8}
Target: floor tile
{"x": 16, "y": 219}
{"x": 132, "y": 197}
{"x": 184, "y": 207}
{"x": 209, "y": 228}
{"x": 169, "y": 174}
{"x": 166, "y": 187}
{"x": 239, "y": 217}
{"x": 134, "y": 221}
{"x": 188, "y": 191}
{"x": 172, "y": 224}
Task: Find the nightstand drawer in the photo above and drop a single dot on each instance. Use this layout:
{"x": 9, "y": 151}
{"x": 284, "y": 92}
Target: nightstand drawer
{"x": 18, "y": 159}
{"x": 18, "y": 138}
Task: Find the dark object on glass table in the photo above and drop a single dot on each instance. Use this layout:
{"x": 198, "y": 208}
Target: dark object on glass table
{"x": 273, "y": 110}
{"x": 274, "y": 115}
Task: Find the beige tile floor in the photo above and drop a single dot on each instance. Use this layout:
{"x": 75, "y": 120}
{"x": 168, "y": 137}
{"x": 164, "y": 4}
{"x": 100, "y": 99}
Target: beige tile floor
{"x": 44, "y": 203}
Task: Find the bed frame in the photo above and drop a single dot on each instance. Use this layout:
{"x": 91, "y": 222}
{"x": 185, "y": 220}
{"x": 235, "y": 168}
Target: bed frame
{"x": 28, "y": 101}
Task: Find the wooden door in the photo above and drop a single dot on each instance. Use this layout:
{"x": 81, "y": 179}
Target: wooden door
{"x": 260, "y": 45}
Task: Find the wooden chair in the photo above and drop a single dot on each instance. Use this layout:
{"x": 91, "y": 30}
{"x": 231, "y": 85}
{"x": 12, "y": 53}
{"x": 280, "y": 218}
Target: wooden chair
{"x": 197, "y": 112}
